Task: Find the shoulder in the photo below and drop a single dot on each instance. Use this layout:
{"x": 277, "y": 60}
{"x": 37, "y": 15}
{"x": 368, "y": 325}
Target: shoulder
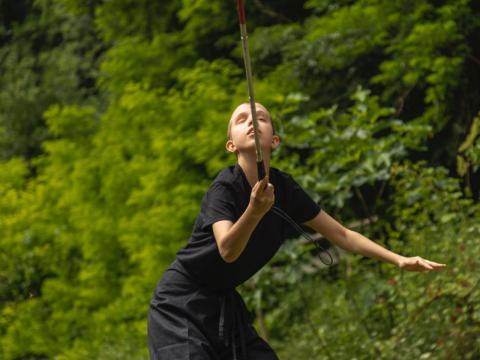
{"x": 280, "y": 176}
{"x": 279, "y": 173}
{"x": 224, "y": 181}
{"x": 285, "y": 180}
{"x": 226, "y": 175}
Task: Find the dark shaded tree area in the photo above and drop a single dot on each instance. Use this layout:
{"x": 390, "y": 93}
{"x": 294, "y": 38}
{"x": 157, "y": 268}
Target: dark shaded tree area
{"x": 48, "y": 57}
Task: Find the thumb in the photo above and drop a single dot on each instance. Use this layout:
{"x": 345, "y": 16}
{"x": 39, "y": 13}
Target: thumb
{"x": 264, "y": 182}
{"x": 260, "y": 184}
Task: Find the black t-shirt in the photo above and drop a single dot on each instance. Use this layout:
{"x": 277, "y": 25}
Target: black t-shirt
{"x": 226, "y": 199}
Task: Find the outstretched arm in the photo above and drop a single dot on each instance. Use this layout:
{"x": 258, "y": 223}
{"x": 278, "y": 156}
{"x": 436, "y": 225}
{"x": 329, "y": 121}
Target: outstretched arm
{"x": 357, "y": 243}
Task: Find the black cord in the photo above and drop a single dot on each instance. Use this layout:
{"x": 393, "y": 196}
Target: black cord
{"x": 297, "y": 227}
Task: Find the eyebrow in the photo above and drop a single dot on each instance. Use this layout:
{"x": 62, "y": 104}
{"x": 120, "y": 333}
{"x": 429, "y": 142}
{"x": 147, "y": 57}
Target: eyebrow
{"x": 244, "y": 113}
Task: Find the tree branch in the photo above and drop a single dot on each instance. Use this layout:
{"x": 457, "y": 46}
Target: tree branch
{"x": 270, "y": 12}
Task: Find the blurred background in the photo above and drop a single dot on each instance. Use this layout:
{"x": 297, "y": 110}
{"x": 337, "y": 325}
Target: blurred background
{"x": 113, "y": 119}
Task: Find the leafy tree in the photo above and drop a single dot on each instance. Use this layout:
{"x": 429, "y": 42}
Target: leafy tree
{"x": 49, "y": 56}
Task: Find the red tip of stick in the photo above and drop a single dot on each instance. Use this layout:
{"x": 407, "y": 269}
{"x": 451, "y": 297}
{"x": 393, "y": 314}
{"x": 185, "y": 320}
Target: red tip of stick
{"x": 241, "y": 11}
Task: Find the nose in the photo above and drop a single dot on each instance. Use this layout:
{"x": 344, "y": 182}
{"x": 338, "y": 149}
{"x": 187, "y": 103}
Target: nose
{"x": 250, "y": 120}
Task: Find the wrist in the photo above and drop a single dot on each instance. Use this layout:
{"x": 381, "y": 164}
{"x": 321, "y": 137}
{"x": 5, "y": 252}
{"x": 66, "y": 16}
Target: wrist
{"x": 399, "y": 261}
{"x": 254, "y": 213}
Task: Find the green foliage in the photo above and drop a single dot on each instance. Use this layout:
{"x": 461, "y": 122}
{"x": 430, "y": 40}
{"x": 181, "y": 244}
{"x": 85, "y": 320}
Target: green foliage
{"x": 415, "y": 54}
{"x": 368, "y": 311}
{"x": 50, "y": 57}
{"x": 468, "y": 158}
{"x": 134, "y": 60}
{"x": 359, "y": 145}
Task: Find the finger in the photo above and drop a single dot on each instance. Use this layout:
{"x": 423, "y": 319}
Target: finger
{"x": 433, "y": 263}
{"x": 269, "y": 189}
{"x": 428, "y": 267}
{"x": 425, "y": 264}
{"x": 260, "y": 184}
{"x": 438, "y": 267}
{"x": 419, "y": 265}
{"x": 264, "y": 183}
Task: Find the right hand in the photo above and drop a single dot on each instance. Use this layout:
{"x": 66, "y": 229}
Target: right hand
{"x": 262, "y": 197}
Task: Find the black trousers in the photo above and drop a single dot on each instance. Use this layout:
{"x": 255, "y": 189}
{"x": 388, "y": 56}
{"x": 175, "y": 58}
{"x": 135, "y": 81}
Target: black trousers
{"x": 190, "y": 322}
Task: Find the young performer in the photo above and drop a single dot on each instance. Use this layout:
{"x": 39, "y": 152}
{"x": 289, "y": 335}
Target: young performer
{"x": 195, "y": 312}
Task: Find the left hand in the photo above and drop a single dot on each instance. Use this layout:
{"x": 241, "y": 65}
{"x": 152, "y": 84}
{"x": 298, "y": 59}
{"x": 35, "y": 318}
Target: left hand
{"x": 416, "y": 263}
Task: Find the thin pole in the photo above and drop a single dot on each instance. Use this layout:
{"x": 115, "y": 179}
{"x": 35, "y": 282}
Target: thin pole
{"x": 251, "y": 96}
{"x": 258, "y": 148}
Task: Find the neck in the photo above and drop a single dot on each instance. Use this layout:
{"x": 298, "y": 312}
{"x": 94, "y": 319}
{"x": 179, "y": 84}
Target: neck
{"x": 248, "y": 163}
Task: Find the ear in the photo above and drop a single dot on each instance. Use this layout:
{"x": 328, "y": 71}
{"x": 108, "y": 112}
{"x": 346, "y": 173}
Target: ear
{"x": 275, "y": 142}
{"x": 230, "y": 146}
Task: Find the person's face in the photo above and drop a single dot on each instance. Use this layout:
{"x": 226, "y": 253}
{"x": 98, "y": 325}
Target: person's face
{"x": 241, "y": 130}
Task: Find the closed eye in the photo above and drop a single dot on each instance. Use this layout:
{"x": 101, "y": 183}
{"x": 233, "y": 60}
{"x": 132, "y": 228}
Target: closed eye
{"x": 241, "y": 117}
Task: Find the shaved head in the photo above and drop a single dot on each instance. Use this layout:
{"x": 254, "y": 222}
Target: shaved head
{"x": 239, "y": 110}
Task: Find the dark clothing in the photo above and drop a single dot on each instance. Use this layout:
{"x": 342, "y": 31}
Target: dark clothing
{"x": 196, "y": 313}
{"x": 184, "y": 322}
{"x": 226, "y": 199}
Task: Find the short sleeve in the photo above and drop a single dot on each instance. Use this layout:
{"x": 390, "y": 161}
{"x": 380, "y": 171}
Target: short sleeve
{"x": 218, "y": 204}
{"x": 302, "y": 208}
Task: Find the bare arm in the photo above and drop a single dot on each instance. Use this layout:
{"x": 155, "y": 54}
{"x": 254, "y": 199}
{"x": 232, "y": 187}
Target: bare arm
{"x": 232, "y": 238}
{"x": 357, "y": 243}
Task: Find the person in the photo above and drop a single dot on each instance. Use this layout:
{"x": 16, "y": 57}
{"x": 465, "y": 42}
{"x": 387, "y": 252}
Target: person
{"x": 195, "y": 312}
